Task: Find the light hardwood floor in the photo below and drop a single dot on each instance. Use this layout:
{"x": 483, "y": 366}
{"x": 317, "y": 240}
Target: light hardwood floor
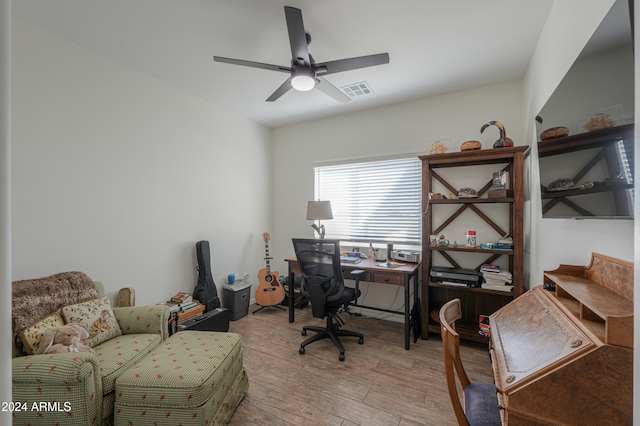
{"x": 379, "y": 383}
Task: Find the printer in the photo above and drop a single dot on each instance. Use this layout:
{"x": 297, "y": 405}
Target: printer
{"x": 458, "y": 277}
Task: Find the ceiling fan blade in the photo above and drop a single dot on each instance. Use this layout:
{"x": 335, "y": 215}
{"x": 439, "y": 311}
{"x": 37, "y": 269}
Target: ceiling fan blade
{"x": 251, "y": 64}
{"x": 341, "y": 65}
{"x": 284, "y": 88}
{"x": 329, "y": 89}
{"x": 297, "y": 36}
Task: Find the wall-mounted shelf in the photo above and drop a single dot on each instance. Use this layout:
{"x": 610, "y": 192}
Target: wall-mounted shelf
{"x": 603, "y": 156}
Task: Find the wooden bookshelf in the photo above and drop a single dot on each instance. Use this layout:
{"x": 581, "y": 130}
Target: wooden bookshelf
{"x": 475, "y": 301}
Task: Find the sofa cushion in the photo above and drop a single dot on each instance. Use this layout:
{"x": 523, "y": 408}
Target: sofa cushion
{"x": 118, "y": 354}
{"x": 31, "y": 335}
{"x": 96, "y": 315}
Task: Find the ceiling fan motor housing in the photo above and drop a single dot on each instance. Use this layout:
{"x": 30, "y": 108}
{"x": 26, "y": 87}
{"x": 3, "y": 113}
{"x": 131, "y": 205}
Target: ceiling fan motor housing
{"x": 303, "y": 78}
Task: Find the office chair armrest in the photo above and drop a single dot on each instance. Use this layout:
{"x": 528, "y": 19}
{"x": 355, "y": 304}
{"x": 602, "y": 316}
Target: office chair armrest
{"x": 356, "y": 273}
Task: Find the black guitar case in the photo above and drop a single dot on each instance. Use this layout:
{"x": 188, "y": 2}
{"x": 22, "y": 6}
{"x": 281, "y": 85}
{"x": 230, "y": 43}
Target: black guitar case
{"x": 205, "y": 291}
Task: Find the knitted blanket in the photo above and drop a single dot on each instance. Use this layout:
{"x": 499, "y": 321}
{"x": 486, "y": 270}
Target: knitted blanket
{"x": 34, "y": 299}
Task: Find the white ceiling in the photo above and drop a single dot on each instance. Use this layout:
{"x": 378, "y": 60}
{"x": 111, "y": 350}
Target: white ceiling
{"x": 435, "y": 46}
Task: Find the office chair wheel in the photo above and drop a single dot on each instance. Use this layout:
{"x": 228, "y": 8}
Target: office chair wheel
{"x": 361, "y": 340}
{"x": 302, "y": 351}
{"x": 304, "y": 332}
{"x": 341, "y": 357}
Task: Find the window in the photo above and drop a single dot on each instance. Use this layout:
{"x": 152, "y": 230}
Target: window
{"x": 373, "y": 201}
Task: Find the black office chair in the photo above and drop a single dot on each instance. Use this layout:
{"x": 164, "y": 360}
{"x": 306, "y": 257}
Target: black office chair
{"x": 323, "y": 284}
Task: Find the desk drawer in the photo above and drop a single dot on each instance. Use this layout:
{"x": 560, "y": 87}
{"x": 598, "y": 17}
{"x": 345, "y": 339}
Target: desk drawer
{"x": 388, "y": 278}
{"x": 363, "y": 277}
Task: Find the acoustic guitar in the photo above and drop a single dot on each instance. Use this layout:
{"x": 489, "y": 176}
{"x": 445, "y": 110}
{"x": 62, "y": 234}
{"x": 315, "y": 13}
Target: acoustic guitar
{"x": 270, "y": 291}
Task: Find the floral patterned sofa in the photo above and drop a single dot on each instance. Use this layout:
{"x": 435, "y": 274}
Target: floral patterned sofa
{"x": 76, "y": 388}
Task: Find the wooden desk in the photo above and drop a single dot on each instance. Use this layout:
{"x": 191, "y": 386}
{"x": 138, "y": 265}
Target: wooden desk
{"x": 565, "y": 357}
{"x": 373, "y": 273}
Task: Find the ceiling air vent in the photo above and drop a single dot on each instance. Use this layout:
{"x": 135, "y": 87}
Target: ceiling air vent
{"x": 357, "y": 89}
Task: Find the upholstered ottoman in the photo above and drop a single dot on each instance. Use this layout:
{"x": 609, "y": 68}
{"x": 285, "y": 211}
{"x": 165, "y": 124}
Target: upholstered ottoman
{"x": 192, "y": 378}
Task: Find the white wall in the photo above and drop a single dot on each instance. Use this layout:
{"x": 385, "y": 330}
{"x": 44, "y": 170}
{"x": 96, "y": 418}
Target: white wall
{"x": 118, "y": 175}
{"x": 555, "y": 241}
{"x": 5, "y": 196}
{"x": 405, "y": 128}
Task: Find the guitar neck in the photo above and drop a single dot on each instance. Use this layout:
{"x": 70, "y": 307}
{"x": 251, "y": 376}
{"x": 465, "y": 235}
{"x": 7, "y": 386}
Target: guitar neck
{"x": 266, "y": 252}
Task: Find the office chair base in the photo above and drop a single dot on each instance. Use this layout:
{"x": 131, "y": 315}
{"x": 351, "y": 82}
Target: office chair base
{"x": 331, "y": 331}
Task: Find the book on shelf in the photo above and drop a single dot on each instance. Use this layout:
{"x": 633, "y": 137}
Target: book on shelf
{"x": 498, "y": 287}
{"x": 501, "y": 246}
{"x": 498, "y": 281}
{"x": 496, "y": 274}
{"x": 499, "y": 276}
{"x": 496, "y": 246}
{"x": 485, "y": 326}
{"x": 487, "y": 267}
{"x": 504, "y": 243}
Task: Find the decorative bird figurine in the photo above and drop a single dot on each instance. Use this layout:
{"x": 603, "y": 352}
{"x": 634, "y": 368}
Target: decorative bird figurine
{"x": 503, "y": 141}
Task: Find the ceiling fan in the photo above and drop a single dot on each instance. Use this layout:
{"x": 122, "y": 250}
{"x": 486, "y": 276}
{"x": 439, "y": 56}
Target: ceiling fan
{"x": 305, "y": 73}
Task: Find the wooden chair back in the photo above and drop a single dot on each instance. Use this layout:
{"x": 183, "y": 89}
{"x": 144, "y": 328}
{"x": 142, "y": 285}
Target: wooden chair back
{"x": 449, "y": 314}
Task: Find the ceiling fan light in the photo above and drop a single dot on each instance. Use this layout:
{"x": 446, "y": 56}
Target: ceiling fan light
{"x": 303, "y": 81}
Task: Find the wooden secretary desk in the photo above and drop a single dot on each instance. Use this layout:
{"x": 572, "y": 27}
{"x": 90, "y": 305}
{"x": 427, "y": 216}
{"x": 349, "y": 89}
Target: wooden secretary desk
{"x": 563, "y": 355}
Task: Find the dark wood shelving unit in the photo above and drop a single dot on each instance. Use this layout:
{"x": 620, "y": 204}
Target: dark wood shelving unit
{"x": 474, "y": 301}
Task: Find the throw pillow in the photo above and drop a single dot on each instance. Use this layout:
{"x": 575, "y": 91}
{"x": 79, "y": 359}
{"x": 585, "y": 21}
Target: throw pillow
{"x": 31, "y": 335}
{"x": 96, "y": 315}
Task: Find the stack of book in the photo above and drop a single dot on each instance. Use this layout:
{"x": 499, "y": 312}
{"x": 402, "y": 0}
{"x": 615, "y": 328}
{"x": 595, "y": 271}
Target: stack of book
{"x": 185, "y": 307}
{"x": 496, "y": 279}
{"x": 504, "y": 243}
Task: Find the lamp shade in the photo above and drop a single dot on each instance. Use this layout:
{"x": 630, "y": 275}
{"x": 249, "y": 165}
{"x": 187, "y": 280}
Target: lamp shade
{"x": 319, "y": 210}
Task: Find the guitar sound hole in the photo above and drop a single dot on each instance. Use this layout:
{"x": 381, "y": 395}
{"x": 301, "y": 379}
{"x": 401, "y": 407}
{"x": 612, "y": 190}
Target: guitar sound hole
{"x": 268, "y": 278}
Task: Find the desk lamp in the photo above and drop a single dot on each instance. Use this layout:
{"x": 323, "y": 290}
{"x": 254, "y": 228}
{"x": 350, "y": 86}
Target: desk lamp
{"x": 319, "y": 210}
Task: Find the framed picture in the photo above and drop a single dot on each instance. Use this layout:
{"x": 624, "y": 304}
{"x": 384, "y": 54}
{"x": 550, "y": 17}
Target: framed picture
{"x": 500, "y": 180}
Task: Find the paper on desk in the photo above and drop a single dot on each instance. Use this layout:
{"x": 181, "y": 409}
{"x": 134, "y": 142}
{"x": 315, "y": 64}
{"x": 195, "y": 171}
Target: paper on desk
{"x": 390, "y": 264}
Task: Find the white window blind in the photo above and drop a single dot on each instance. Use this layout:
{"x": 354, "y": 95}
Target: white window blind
{"x": 375, "y": 201}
